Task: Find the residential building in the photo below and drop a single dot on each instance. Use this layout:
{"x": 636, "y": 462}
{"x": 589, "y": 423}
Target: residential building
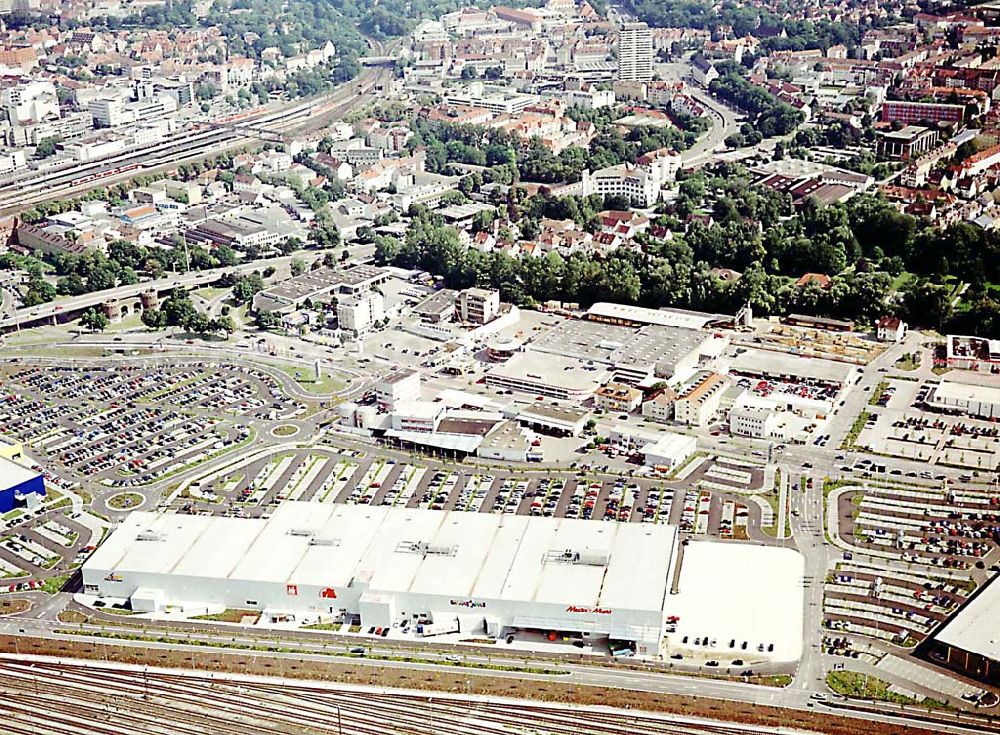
{"x": 617, "y": 398}
{"x": 910, "y": 113}
{"x": 702, "y": 71}
{"x": 890, "y": 329}
{"x": 635, "y": 53}
{"x": 660, "y": 406}
{"x": 698, "y": 405}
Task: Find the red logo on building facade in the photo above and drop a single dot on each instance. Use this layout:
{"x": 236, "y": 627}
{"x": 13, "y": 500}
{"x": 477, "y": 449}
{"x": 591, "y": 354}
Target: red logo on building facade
{"x": 588, "y": 610}
{"x": 328, "y": 593}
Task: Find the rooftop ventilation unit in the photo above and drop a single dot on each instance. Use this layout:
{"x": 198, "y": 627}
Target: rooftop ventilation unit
{"x": 584, "y": 557}
{"x": 425, "y": 549}
{"x": 323, "y": 541}
{"x": 150, "y": 536}
{"x": 306, "y": 532}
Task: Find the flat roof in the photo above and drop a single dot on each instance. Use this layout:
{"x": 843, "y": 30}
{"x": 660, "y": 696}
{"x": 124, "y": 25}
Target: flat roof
{"x": 659, "y": 346}
{"x": 557, "y": 413}
{"x": 549, "y": 370}
{"x": 12, "y": 473}
{"x": 437, "y": 303}
{"x": 670, "y": 443}
{"x": 974, "y": 628}
{"x": 664, "y": 317}
{"x": 765, "y": 362}
{"x": 980, "y": 389}
{"x": 406, "y": 550}
{"x": 743, "y": 572}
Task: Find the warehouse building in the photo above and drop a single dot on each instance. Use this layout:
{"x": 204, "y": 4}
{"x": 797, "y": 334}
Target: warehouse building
{"x": 472, "y": 573}
{"x": 17, "y": 483}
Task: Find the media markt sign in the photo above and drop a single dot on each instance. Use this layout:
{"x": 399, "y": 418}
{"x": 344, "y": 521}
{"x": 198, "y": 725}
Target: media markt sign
{"x": 588, "y": 610}
{"x": 466, "y": 603}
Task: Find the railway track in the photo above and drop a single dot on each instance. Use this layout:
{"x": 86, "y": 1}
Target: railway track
{"x": 34, "y": 188}
{"x": 49, "y": 698}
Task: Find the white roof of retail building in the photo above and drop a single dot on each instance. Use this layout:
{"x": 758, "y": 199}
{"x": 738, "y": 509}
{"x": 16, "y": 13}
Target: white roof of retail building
{"x": 974, "y": 628}
{"x": 643, "y": 315}
{"x": 12, "y": 474}
{"x": 969, "y": 387}
{"x": 479, "y": 555}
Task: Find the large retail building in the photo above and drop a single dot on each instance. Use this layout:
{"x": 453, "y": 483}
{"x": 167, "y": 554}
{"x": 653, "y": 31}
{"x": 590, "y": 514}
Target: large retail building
{"x": 473, "y": 572}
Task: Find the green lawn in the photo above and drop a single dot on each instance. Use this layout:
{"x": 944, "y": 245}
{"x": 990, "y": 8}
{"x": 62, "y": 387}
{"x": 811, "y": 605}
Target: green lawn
{"x": 901, "y": 281}
{"x": 853, "y": 684}
{"x": 210, "y": 292}
{"x": 304, "y": 377}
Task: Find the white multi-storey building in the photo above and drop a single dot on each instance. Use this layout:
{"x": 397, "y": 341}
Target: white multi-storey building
{"x": 635, "y": 53}
{"x": 400, "y": 386}
{"x": 360, "y": 312}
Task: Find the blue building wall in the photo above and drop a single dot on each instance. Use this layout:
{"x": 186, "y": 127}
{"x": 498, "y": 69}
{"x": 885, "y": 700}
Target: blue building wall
{"x": 8, "y": 495}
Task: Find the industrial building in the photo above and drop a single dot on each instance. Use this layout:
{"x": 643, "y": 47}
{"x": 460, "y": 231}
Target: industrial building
{"x": 17, "y": 483}
{"x": 473, "y": 573}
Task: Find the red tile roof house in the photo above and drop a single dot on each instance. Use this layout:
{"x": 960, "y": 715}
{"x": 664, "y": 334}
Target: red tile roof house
{"x": 820, "y": 279}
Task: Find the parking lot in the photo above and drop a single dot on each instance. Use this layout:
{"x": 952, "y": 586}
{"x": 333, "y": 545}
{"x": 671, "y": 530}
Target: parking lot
{"x": 918, "y": 547}
{"x": 900, "y": 425}
{"x": 333, "y": 475}
{"x": 133, "y": 426}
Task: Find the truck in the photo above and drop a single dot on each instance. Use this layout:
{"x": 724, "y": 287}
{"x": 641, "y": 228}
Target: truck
{"x": 438, "y": 628}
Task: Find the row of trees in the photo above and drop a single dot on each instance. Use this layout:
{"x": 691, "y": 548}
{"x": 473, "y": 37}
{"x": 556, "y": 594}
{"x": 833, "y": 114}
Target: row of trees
{"x": 179, "y": 311}
{"x": 669, "y": 277}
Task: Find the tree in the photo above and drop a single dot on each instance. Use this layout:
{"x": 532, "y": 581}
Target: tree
{"x": 154, "y": 318}
{"x": 223, "y": 324}
{"x": 197, "y": 323}
{"x": 178, "y": 311}
{"x": 246, "y": 287}
{"x": 267, "y": 319}
{"x": 928, "y": 304}
{"x": 46, "y": 147}
{"x": 39, "y": 292}
{"x": 297, "y": 267}
{"x": 94, "y": 320}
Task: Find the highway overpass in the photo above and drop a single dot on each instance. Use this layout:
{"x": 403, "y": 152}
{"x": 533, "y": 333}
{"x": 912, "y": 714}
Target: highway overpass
{"x": 70, "y": 309}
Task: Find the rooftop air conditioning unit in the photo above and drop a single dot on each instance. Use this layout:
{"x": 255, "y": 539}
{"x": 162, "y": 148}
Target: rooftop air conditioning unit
{"x": 592, "y": 558}
{"x": 320, "y": 541}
